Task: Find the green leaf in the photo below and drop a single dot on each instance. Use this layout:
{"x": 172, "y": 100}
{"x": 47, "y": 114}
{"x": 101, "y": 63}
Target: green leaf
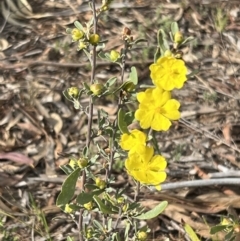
{"x": 193, "y": 73}
{"x": 67, "y": 169}
{"x": 157, "y": 55}
{"x": 127, "y": 229}
{"x": 68, "y": 188}
{"x": 88, "y": 55}
{"x": 192, "y": 235}
{"x": 162, "y": 41}
{"x": 129, "y": 117}
{"x": 100, "y": 46}
{"x": 154, "y": 212}
{"x": 105, "y": 209}
{"x": 101, "y": 55}
{"x": 122, "y": 86}
{"x": 76, "y": 104}
{"x": 97, "y": 224}
{"x": 110, "y": 82}
{"x": 187, "y": 40}
{"x": 230, "y": 236}
{"x": 79, "y": 26}
{"x": 139, "y": 40}
{"x": 121, "y": 121}
{"x": 83, "y": 198}
{"x": 217, "y": 228}
{"x": 174, "y": 28}
{"x": 134, "y": 76}
{"x": 69, "y": 238}
{"x": 116, "y": 236}
{"x": 69, "y": 30}
{"x": 85, "y": 151}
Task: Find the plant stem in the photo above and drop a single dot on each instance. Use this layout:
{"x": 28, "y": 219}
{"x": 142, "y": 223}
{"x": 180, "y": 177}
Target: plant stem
{"x": 90, "y": 114}
{"x": 109, "y": 169}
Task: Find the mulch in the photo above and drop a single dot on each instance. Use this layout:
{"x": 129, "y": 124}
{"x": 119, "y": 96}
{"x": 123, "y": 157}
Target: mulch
{"x": 39, "y": 128}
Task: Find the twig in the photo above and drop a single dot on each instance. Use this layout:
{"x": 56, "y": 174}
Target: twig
{"x": 208, "y": 134}
{"x": 108, "y": 171}
{"x": 26, "y": 64}
{"x": 201, "y": 183}
{"x": 90, "y": 114}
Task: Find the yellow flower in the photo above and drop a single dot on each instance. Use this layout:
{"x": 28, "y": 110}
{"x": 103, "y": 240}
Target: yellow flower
{"x": 156, "y": 109}
{"x": 146, "y": 168}
{"x": 133, "y": 142}
{"x": 77, "y": 34}
{"x": 168, "y": 73}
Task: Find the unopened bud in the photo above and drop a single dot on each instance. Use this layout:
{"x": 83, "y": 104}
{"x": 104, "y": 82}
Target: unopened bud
{"x": 68, "y": 209}
{"x": 73, "y": 163}
{"x": 88, "y": 206}
{"x": 96, "y": 88}
{"x": 126, "y": 31}
{"x": 101, "y": 184}
{"x": 114, "y": 55}
{"x": 142, "y": 236}
{"x": 82, "y": 45}
{"x": 73, "y": 92}
{"x": 168, "y": 53}
{"x": 82, "y": 162}
{"x": 178, "y": 37}
{"x": 94, "y": 39}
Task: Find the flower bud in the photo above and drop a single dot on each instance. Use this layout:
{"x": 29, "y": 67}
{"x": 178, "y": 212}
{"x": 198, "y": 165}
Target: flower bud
{"x": 114, "y": 55}
{"x": 101, "y": 184}
{"x": 126, "y": 31}
{"x": 120, "y": 200}
{"x": 73, "y": 163}
{"x": 94, "y": 39}
{"x": 88, "y": 206}
{"x": 89, "y": 233}
{"x": 168, "y": 53}
{"x": 125, "y": 207}
{"x": 142, "y": 236}
{"x": 82, "y": 162}
{"x": 77, "y": 34}
{"x": 67, "y": 209}
{"x": 96, "y": 88}
{"x": 73, "y": 92}
{"x": 82, "y": 45}
{"x": 178, "y": 37}
{"x": 128, "y": 87}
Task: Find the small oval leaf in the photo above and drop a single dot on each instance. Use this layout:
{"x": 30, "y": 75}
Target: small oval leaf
{"x": 104, "y": 208}
{"x": 121, "y": 121}
{"x": 174, "y": 28}
{"x": 217, "y": 229}
{"x": 68, "y": 188}
{"x": 191, "y": 233}
{"x": 78, "y": 25}
{"x": 134, "y": 76}
{"x": 154, "y": 212}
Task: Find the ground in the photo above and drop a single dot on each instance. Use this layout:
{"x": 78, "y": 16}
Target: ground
{"x": 37, "y": 124}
